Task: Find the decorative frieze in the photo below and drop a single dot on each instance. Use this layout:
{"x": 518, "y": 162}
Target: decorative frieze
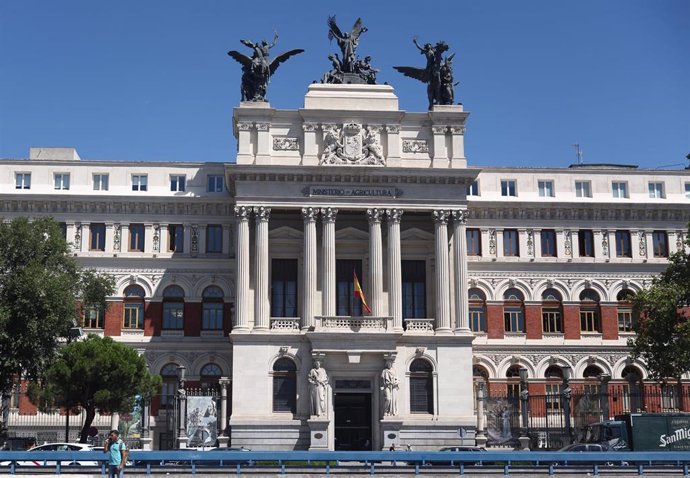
{"x": 568, "y": 243}
{"x": 492, "y": 242}
{"x": 117, "y": 237}
{"x": 156, "y": 238}
{"x": 194, "y": 246}
{"x": 77, "y": 237}
{"x": 605, "y": 243}
{"x": 530, "y": 242}
{"x": 415, "y": 146}
{"x": 286, "y": 144}
{"x": 643, "y": 243}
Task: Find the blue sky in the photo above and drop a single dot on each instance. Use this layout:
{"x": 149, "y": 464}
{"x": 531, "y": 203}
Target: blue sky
{"x": 151, "y": 81}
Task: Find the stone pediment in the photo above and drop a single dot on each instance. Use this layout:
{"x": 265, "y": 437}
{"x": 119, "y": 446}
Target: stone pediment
{"x": 285, "y": 232}
{"x": 415, "y": 234}
{"x": 351, "y": 234}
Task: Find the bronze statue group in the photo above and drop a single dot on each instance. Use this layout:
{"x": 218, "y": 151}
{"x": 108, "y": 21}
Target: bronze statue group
{"x": 348, "y": 68}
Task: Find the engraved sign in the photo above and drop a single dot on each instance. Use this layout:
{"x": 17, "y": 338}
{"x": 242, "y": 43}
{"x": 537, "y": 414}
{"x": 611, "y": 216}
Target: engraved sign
{"x": 358, "y": 191}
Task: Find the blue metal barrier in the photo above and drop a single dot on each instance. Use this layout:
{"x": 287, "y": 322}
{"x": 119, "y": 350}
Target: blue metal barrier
{"x": 150, "y": 462}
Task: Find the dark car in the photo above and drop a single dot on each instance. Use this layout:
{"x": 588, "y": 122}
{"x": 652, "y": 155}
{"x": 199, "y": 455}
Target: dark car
{"x": 590, "y": 447}
{"x": 230, "y": 462}
{"x": 455, "y": 449}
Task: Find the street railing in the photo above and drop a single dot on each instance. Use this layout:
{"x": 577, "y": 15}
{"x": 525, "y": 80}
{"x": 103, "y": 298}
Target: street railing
{"x": 409, "y": 462}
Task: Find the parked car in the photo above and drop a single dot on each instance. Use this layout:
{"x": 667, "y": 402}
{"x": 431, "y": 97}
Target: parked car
{"x": 455, "y": 449}
{"x": 590, "y": 447}
{"x": 57, "y": 447}
{"x": 231, "y": 462}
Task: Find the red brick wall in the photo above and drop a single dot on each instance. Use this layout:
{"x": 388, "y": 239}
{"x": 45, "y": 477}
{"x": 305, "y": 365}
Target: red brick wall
{"x": 25, "y": 405}
{"x": 153, "y": 318}
{"x": 533, "y": 321}
{"x": 571, "y": 321}
{"x": 192, "y": 319}
{"x": 494, "y": 321}
{"x": 609, "y": 322}
{"x": 113, "y": 319}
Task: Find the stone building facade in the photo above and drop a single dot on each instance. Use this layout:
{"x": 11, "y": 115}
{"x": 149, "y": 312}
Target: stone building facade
{"x": 244, "y": 272}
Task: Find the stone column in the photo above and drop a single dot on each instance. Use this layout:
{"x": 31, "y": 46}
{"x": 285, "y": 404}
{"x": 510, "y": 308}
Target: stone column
{"x": 109, "y": 228}
{"x": 82, "y": 237}
{"x": 375, "y": 261}
{"x": 458, "y": 143}
{"x": 223, "y": 437}
{"x": 439, "y": 158}
{"x": 328, "y": 220}
{"x": 242, "y": 280}
{"x": 442, "y": 271}
{"x": 309, "y": 216}
{"x": 263, "y": 152}
{"x": 460, "y": 257}
{"x": 261, "y": 309}
{"x": 309, "y": 151}
{"x": 146, "y": 439}
{"x": 393, "y": 143}
{"x": 244, "y": 143}
{"x": 394, "y": 268}
{"x": 164, "y": 238}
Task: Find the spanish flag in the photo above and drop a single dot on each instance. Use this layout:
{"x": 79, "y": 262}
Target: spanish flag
{"x": 360, "y": 294}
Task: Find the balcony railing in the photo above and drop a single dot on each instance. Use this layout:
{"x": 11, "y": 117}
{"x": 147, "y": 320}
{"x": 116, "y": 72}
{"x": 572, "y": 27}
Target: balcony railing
{"x": 419, "y": 325}
{"x": 284, "y": 323}
{"x": 354, "y": 324}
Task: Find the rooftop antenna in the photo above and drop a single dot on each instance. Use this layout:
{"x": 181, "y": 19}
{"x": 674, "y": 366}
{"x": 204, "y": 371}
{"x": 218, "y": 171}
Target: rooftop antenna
{"x": 578, "y": 153}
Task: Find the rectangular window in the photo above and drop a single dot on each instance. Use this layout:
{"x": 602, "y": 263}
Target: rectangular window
{"x": 619, "y": 189}
{"x": 136, "y": 237}
{"x": 414, "y": 289}
{"x": 173, "y": 315}
{"x": 214, "y": 239}
{"x": 215, "y": 184}
{"x": 625, "y": 320}
{"x": 473, "y": 188}
{"x": 212, "y": 316}
{"x": 22, "y": 180}
{"x": 583, "y": 189}
{"x": 511, "y": 246}
{"x": 178, "y": 183}
{"x": 97, "y": 232}
{"x": 589, "y": 320}
{"x": 346, "y": 302}
{"x": 660, "y": 243}
{"x": 548, "y": 243}
{"x": 508, "y": 187}
{"x": 585, "y": 241}
{"x": 656, "y": 190}
{"x": 63, "y": 229}
{"x": 477, "y": 319}
{"x": 551, "y": 320}
{"x": 93, "y": 318}
{"x": 553, "y": 397}
{"x": 421, "y": 393}
{"x": 134, "y": 315}
{"x": 514, "y": 319}
{"x": 474, "y": 242}
{"x": 139, "y": 182}
{"x": 623, "y": 248}
{"x": 100, "y": 182}
{"x": 61, "y": 180}
{"x": 545, "y": 189}
{"x": 687, "y": 190}
{"x": 175, "y": 238}
{"x": 284, "y": 279}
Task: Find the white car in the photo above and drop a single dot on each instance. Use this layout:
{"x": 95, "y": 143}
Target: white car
{"x": 57, "y": 447}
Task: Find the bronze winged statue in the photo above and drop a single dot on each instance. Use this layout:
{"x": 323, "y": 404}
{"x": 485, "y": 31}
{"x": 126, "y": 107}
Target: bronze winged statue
{"x": 437, "y": 74}
{"x": 257, "y": 69}
{"x": 350, "y": 68}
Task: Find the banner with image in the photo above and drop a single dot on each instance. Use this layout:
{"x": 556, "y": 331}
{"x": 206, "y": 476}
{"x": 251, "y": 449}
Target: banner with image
{"x": 202, "y": 421}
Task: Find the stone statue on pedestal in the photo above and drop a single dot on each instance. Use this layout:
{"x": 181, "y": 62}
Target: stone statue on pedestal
{"x": 437, "y": 74}
{"x": 389, "y": 387}
{"x": 257, "y": 70}
{"x": 318, "y": 381}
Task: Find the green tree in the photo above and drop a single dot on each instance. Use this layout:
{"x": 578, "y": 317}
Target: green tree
{"x": 663, "y": 331}
{"x": 41, "y": 286}
{"x": 97, "y": 374}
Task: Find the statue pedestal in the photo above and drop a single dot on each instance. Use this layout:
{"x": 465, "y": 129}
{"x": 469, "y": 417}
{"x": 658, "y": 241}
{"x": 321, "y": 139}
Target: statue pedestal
{"x": 223, "y": 441}
{"x": 390, "y": 426}
{"x": 353, "y": 79}
{"x": 318, "y": 433}
{"x": 147, "y": 443}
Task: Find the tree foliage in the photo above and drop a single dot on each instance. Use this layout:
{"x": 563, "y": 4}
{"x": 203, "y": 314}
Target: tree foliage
{"x": 41, "y": 284}
{"x": 97, "y": 374}
{"x": 663, "y": 331}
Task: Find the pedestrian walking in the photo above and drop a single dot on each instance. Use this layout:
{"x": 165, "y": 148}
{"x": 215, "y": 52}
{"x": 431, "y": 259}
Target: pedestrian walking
{"x": 118, "y": 452}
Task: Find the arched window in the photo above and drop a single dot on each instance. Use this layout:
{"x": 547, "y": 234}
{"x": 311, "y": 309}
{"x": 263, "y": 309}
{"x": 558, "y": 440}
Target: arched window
{"x": 554, "y": 379}
{"x": 133, "y": 309}
{"x": 210, "y": 375}
{"x": 169, "y": 376}
{"x": 173, "y": 308}
{"x": 626, "y": 319}
{"x": 590, "y": 317}
{"x": 551, "y": 314}
{"x": 212, "y": 308}
{"x": 591, "y": 375}
{"x": 633, "y": 398}
{"x": 421, "y": 387}
{"x": 513, "y": 376}
{"x": 513, "y": 311}
{"x": 284, "y": 385}
{"x": 477, "y": 310}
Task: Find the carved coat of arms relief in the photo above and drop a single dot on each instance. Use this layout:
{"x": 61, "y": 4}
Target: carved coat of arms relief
{"x": 351, "y": 144}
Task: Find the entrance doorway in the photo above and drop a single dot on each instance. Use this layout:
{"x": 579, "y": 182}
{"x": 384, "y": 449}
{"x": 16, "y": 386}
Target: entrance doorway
{"x": 352, "y": 421}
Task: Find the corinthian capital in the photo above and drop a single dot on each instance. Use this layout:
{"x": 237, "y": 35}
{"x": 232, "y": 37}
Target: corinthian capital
{"x": 461, "y": 216}
{"x": 440, "y": 216}
{"x": 374, "y": 216}
{"x": 242, "y": 212}
{"x": 394, "y": 215}
{"x": 328, "y": 214}
{"x": 309, "y": 214}
{"x": 262, "y": 213}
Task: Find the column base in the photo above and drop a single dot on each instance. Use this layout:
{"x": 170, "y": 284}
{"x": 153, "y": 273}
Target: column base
{"x": 318, "y": 434}
{"x": 390, "y": 427}
{"x": 147, "y": 443}
{"x": 444, "y": 331}
{"x": 182, "y": 442}
{"x": 524, "y": 443}
{"x": 481, "y": 439}
{"x": 223, "y": 441}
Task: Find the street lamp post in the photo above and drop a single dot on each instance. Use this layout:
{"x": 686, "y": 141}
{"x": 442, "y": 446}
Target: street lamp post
{"x": 182, "y": 408}
{"x": 524, "y": 410}
{"x": 565, "y": 400}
